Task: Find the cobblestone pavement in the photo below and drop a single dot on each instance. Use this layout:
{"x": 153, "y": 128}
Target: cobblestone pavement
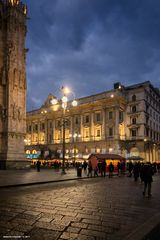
{"x": 87, "y": 209}
{"x": 31, "y": 176}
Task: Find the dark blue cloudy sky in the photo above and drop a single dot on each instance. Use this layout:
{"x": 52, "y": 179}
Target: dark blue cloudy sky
{"x": 90, "y": 44}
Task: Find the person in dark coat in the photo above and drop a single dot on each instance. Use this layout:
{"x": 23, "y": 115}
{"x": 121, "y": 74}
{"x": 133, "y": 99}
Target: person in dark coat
{"x": 103, "y": 172}
{"x": 136, "y": 171}
{"x": 147, "y": 178}
{"x": 89, "y": 168}
{"x": 111, "y": 169}
{"x": 118, "y": 168}
{"x": 38, "y": 166}
{"x": 130, "y": 168}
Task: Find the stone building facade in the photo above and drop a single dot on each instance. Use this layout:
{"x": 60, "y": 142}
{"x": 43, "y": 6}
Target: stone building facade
{"x": 124, "y": 120}
{"x": 13, "y": 15}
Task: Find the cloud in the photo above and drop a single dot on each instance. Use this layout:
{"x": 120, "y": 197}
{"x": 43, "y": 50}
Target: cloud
{"x": 90, "y": 44}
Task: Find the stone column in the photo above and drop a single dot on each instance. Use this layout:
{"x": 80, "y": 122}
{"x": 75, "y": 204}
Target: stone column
{"x": 92, "y": 126}
{"x": 116, "y": 123}
{"x": 81, "y": 126}
{"x": 53, "y": 140}
{"x": 104, "y": 124}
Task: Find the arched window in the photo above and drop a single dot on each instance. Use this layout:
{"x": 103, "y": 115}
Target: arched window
{"x": 134, "y": 109}
{"x": 133, "y": 120}
{"x": 134, "y": 98}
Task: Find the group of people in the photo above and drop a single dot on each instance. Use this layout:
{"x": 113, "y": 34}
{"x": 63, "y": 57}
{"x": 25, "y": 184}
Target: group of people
{"x": 145, "y": 171}
{"x": 100, "y": 168}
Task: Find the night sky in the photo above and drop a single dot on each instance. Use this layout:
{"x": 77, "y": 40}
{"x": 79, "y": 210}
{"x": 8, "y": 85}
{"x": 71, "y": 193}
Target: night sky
{"x": 90, "y": 44}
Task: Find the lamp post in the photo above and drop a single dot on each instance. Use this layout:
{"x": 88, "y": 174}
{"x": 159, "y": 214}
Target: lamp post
{"x": 64, "y": 103}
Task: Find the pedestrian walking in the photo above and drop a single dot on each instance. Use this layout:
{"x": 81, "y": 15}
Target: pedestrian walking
{"x": 103, "y": 172}
{"x": 147, "y": 178}
{"x": 95, "y": 171}
{"x": 136, "y": 171}
{"x": 130, "y": 168}
{"x": 38, "y": 166}
{"x": 99, "y": 167}
{"x": 118, "y": 168}
{"x": 89, "y": 169}
{"x": 85, "y": 166}
{"x": 111, "y": 169}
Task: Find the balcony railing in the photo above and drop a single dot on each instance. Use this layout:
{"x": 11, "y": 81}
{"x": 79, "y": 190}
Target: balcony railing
{"x": 73, "y": 140}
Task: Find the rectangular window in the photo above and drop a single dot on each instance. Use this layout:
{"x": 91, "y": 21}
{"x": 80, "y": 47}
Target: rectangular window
{"x": 120, "y": 116}
{"x": 58, "y": 123}
{"x": 134, "y": 132}
{"x": 98, "y": 117}
{"x": 134, "y": 109}
{"x": 42, "y": 126}
{"x": 147, "y": 132}
{"x": 110, "y": 115}
{"x": 87, "y": 119}
{"x": 98, "y": 133}
{"x": 110, "y": 132}
{"x": 76, "y": 120}
{"x": 134, "y": 120}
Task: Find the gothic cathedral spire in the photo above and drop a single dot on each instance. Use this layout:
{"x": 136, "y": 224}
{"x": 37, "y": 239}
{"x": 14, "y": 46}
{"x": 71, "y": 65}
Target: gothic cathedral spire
{"x": 13, "y": 15}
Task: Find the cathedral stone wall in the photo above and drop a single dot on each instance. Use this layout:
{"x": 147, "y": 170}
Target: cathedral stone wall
{"x": 13, "y": 15}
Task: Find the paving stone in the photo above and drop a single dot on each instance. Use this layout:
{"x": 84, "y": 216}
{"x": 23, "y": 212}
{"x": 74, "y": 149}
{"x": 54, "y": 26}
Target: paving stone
{"x": 50, "y": 226}
{"x": 93, "y": 233}
{"x": 14, "y": 234}
{"x": 92, "y": 221}
{"x": 23, "y": 228}
{"x": 69, "y": 235}
{"x": 43, "y": 219}
{"x": 29, "y": 222}
{"x": 84, "y": 237}
{"x": 8, "y": 225}
{"x": 88, "y": 216}
{"x": 107, "y": 210}
{"x": 67, "y": 213}
{"x": 63, "y": 222}
{"x": 34, "y": 213}
{"x": 73, "y": 229}
{"x": 43, "y": 234}
{"x": 79, "y": 225}
{"x": 27, "y": 216}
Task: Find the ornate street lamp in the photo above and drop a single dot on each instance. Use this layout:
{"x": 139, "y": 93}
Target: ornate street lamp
{"x": 64, "y": 103}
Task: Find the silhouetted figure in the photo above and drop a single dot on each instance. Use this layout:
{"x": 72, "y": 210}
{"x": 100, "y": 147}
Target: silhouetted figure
{"x": 38, "y": 166}
{"x": 130, "y": 168}
{"x": 111, "y": 169}
{"x": 147, "y": 178}
{"x": 85, "y": 166}
{"x": 136, "y": 171}
{"x": 89, "y": 168}
{"x": 103, "y": 172}
{"x": 100, "y": 167}
{"x": 118, "y": 168}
